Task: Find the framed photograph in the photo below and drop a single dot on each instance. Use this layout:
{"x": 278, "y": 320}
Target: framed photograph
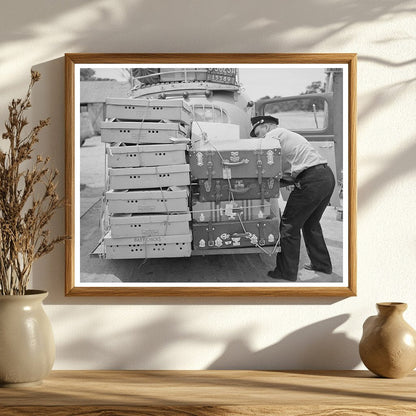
{"x": 211, "y": 174}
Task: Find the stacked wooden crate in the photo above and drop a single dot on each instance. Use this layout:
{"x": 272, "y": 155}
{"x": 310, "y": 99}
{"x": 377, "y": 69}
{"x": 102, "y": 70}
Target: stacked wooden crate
{"x": 147, "y": 178}
{"x": 236, "y": 182}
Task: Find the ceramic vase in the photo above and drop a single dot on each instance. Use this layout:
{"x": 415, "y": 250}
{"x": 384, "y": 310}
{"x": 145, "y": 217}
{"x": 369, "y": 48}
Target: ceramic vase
{"x": 388, "y": 345}
{"x": 27, "y": 347}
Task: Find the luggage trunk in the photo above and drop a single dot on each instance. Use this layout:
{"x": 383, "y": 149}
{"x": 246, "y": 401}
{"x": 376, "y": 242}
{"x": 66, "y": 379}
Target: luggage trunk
{"x": 237, "y": 189}
{"x": 150, "y": 155}
{"x": 234, "y": 234}
{"x": 149, "y": 177}
{"x": 232, "y": 211}
{"x": 142, "y": 132}
{"x": 135, "y": 225}
{"x": 147, "y": 247}
{"x": 148, "y": 109}
{"x": 251, "y": 158}
{"x": 153, "y": 201}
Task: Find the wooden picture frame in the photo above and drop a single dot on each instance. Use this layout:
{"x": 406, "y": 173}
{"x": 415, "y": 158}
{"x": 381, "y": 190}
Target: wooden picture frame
{"x": 210, "y": 66}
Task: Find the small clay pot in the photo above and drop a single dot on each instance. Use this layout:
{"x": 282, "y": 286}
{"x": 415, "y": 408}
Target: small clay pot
{"x": 388, "y": 345}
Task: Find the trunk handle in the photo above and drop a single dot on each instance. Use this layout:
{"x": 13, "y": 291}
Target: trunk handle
{"x": 240, "y": 191}
{"x": 241, "y": 162}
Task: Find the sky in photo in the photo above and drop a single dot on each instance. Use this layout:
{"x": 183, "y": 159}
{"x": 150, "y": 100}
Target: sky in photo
{"x": 278, "y": 82}
{"x": 258, "y": 82}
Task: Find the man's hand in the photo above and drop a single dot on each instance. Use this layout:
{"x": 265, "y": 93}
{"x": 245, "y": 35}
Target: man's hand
{"x": 287, "y": 180}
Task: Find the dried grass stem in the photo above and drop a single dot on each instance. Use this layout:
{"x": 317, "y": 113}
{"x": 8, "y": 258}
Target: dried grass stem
{"x": 24, "y": 216}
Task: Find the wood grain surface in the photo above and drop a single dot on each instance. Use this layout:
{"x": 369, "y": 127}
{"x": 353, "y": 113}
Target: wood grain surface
{"x": 203, "y": 393}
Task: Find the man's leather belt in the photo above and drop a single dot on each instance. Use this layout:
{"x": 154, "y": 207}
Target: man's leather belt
{"x": 322, "y": 165}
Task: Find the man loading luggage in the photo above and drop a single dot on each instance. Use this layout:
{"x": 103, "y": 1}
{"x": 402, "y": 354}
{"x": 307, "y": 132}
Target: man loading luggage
{"x": 314, "y": 183}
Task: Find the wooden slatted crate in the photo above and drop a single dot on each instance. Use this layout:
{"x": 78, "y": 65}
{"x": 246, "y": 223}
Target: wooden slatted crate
{"x": 137, "y": 225}
{"x": 148, "y": 109}
{"x": 148, "y": 247}
{"x": 150, "y": 201}
{"x": 149, "y": 177}
{"x": 142, "y": 132}
{"x": 150, "y": 155}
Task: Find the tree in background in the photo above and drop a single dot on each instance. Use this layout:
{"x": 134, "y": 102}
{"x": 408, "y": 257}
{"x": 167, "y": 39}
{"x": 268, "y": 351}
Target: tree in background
{"x": 315, "y": 87}
{"x": 300, "y": 104}
{"x": 87, "y": 74}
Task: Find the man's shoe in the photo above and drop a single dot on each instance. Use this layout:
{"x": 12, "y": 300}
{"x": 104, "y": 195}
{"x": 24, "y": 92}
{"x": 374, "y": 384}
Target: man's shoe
{"x": 276, "y": 275}
{"x": 317, "y": 269}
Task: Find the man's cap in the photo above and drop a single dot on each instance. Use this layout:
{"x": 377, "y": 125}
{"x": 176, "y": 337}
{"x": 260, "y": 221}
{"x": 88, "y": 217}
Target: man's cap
{"x": 256, "y": 121}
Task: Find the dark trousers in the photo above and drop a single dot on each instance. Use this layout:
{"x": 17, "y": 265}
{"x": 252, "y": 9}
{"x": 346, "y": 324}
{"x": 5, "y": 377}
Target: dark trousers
{"x": 303, "y": 211}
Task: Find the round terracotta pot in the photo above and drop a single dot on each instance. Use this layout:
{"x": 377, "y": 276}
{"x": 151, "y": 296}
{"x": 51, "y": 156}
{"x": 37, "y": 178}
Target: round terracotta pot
{"x": 388, "y": 345}
{"x": 27, "y": 347}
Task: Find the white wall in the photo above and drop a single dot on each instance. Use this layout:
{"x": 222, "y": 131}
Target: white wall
{"x": 200, "y": 333}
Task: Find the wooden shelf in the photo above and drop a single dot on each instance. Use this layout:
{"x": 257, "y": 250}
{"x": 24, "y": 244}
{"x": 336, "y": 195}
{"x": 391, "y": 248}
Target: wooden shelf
{"x": 208, "y": 393}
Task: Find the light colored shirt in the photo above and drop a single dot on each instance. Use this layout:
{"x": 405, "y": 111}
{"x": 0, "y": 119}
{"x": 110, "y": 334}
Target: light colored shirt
{"x": 297, "y": 153}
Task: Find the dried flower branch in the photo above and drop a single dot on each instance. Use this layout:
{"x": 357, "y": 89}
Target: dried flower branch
{"x": 23, "y": 217}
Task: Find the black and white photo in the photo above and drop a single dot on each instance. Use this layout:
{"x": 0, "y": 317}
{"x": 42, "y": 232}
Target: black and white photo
{"x": 182, "y": 172}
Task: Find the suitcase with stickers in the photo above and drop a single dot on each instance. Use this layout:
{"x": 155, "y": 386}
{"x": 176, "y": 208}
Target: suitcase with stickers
{"x": 251, "y": 158}
{"x": 233, "y": 210}
{"x": 235, "y": 234}
{"x": 237, "y": 189}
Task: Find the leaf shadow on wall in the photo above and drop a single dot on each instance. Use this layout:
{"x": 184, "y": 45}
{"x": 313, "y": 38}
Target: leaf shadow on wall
{"x": 146, "y": 345}
{"x": 102, "y": 26}
{"x": 397, "y": 164}
{"x": 152, "y": 345}
{"x": 316, "y": 346}
{"x": 149, "y": 20}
